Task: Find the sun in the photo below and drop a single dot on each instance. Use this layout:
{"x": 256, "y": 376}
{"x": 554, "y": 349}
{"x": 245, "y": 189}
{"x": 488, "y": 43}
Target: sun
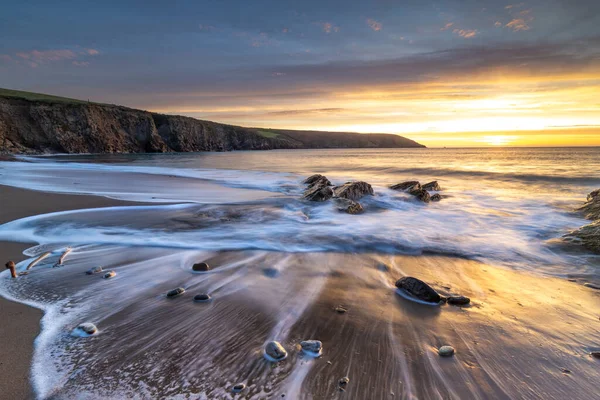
{"x": 498, "y": 140}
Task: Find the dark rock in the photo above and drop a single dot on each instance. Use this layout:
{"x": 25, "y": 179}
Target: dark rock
{"x": 348, "y": 206}
{"x": 595, "y": 354}
{"x": 176, "y": 292}
{"x": 110, "y": 274}
{"x": 408, "y": 185}
{"x": 271, "y": 272}
{"x": 432, "y": 186}
{"x": 458, "y": 300}
{"x": 593, "y": 195}
{"x": 318, "y": 193}
{"x": 418, "y": 289}
{"x": 565, "y": 371}
{"x": 591, "y": 209}
{"x": 312, "y": 347}
{"x": 592, "y": 286}
{"x": 341, "y": 309}
{"x": 317, "y": 179}
{"x": 201, "y": 267}
{"x": 436, "y": 197}
{"x": 202, "y": 298}
{"x": 421, "y": 194}
{"x": 353, "y": 190}
{"x": 588, "y": 236}
{"x": 446, "y": 351}
{"x": 274, "y": 351}
{"x": 94, "y": 270}
{"x": 238, "y": 388}
{"x": 343, "y": 382}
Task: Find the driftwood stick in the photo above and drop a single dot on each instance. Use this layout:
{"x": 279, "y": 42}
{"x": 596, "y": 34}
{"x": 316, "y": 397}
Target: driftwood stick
{"x": 37, "y": 260}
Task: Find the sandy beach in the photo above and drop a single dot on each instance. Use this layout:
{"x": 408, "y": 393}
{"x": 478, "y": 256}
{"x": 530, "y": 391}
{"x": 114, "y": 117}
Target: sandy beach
{"x": 21, "y": 324}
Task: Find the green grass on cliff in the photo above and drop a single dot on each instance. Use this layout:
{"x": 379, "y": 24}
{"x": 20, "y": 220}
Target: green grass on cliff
{"x": 37, "y": 96}
{"x": 267, "y": 134}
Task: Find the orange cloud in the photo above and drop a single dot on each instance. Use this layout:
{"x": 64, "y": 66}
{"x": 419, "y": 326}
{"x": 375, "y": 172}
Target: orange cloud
{"x": 447, "y": 26}
{"x": 518, "y": 24}
{"x": 375, "y": 25}
{"x": 465, "y": 33}
{"x": 328, "y": 27}
{"x": 47, "y": 55}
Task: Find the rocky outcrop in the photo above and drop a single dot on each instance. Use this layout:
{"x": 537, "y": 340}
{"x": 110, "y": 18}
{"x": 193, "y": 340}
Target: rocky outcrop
{"x": 59, "y": 125}
{"x": 591, "y": 209}
{"x": 589, "y": 235}
{"x": 353, "y": 190}
{"x": 348, "y": 206}
{"x": 421, "y": 194}
{"x": 407, "y": 186}
{"x": 318, "y": 193}
{"x": 434, "y": 185}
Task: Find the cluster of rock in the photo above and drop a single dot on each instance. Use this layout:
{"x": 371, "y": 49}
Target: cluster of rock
{"x": 421, "y": 192}
{"x": 589, "y": 235}
{"x": 345, "y": 196}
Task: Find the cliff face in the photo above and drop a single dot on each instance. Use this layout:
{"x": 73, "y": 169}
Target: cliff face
{"x": 28, "y": 126}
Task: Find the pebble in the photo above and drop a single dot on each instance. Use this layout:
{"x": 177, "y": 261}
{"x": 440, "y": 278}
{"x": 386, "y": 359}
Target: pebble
{"x": 446, "y": 351}
{"x": 87, "y": 328}
{"x": 202, "y": 298}
{"x": 110, "y": 274}
{"x": 343, "y": 382}
{"x": 271, "y": 272}
{"x": 341, "y": 309}
{"x": 565, "y": 371}
{"x": 95, "y": 270}
{"x": 312, "y": 347}
{"x": 595, "y": 354}
{"x": 238, "y": 388}
{"x": 176, "y": 292}
{"x": 201, "y": 267}
{"x": 274, "y": 351}
{"x": 458, "y": 300}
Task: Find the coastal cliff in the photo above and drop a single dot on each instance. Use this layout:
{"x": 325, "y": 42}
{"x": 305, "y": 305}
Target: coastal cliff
{"x": 33, "y": 123}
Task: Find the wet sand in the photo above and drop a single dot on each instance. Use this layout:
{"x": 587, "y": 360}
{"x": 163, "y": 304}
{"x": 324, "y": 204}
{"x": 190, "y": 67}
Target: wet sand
{"x": 21, "y": 324}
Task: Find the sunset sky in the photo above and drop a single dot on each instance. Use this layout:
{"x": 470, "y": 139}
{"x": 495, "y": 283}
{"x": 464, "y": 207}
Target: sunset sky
{"x": 444, "y": 73}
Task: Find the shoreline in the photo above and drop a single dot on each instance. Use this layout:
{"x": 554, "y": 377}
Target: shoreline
{"x": 21, "y": 323}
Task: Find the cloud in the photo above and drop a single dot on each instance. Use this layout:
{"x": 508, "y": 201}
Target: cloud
{"x": 465, "y": 33}
{"x": 310, "y": 111}
{"x": 92, "y": 52}
{"x": 375, "y": 25}
{"x": 447, "y": 26}
{"x": 518, "y": 24}
{"x": 510, "y": 6}
{"x": 328, "y": 27}
{"x": 498, "y": 24}
{"x": 206, "y": 28}
{"x": 47, "y": 55}
{"x": 80, "y": 63}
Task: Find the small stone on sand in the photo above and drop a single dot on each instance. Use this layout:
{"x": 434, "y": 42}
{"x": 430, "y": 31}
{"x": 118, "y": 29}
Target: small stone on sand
{"x": 110, "y": 274}
{"x": 312, "y": 347}
{"x": 344, "y": 382}
{"x": 271, "y": 272}
{"x": 274, "y": 351}
{"x": 446, "y": 351}
{"x": 565, "y": 371}
{"x": 95, "y": 270}
{"x": 201, "y": 267}
{"x": 88, "y": 328}
{"x": 592, "y": 286}
{"x": 176, "y": 292}
{"x": 341, "y": 309}
{"x": 595, "y": 354}
{"x": 458, "y": 300}
{"x": 238, "y": 388}
{"x": 202, "y": 298}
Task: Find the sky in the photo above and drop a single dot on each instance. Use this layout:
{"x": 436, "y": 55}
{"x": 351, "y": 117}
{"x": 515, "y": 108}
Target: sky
{"x": 444, "y": 73}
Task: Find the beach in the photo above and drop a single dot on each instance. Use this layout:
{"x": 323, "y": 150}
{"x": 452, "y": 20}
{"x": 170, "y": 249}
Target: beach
{"x": 283, "y": 269}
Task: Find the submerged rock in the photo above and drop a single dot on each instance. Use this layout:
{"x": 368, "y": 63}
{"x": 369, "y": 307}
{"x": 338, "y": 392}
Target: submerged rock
{"x": 434, "y": 185}
{"x": 201, "y": 267}
{"x": 407, "y": 186}
{"x": 421, "y": 194}
{"x": 348, "y": 206}
{"x": 87, "y": 328}
{"x": 274, "y": 351}
{"x": 418, "y": 289}
{"x": 458, "y": 300}
{"x": 436, "y": 197}
{"x": 202, "y": 298}
{"x": 353, "y": 190}
{"x": 592, "y": 286}
{"x": 271, "y": 272}
{"x": 109, "y": 275}
{"x": 238, "y": 388}
{"x": 588, "y": 236}
{"x": 318, "y": 193}
{"x": 176, "y": 292}
{"x": 315, "y": 178}
{"x": 312, "y": 347}
{"x": 94, "y": 270}
{"x": 446, "y": 351}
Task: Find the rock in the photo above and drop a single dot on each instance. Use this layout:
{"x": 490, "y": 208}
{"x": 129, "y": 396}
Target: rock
{"x": 271, "y": 272}
{"x": 348, "y": 206}
{"x": 317, "y": 180}
{"x": 202, "y": 298}
{"x": 421, "y": 194}
{"x": 418, "y": 289}
{"x": 446, "y": 351}
{"x": 591, "y": 208}
{"x": 274, "y": 351}
{"x": 383, "y": 267}
{"x": 595, "y": 354}
{"x": 588, "y": 236}
{"x": 593, "y": 195}
{"x": 176, "y": 292}
{"x": 94, "y": 270}
{"x": 318, "y": 193}
{"x": 312, "y": 347}
{"x": 238, "y": 388}
{"x": 458, "y": 300}
{"x": 407, "y": 186}
{"x": 109, "y": 275}
{"x": 88, "y": 328}
{"x": 353, "y": 190}
{"x": 341, "y": 309}
{"x": 436, "y": 197}
{"x": 592, "y": 286}
{"x": 344, "y": 382}
{"x": 565, "y": 371}
{"x": 432, "y": 186}
{"x": 201, "y": 267}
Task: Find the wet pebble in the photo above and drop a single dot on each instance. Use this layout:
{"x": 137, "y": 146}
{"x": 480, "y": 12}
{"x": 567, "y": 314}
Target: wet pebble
{"x": 201, "y": 267}
{"x": 176, "y": 292}
{"x": 595, "y": 354}
{"x": 458, "y": 300}
{"x": 312, "y": 347}
{"x": 94, "y": 270}
{"x": 341, "y": 309}
{"x": 110, "y": 274}
{"x": 88, "y": 328}
{"x": 271, "y": 272}
{"x": 274, "y": 351}
{"x": 238, "y": 388}
{"x": 202, "y": 298}
{"x": 343, "y": 382}
{"x": 565, "y": 371}
{"x": 446, "y": 351}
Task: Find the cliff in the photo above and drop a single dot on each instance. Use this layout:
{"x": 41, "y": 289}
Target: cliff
{"x": 35, "y": 123}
